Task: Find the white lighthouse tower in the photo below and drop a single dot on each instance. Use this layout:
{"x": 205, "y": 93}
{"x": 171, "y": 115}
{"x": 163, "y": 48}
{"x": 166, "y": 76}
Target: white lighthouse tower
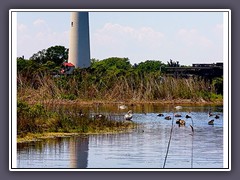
{"x": 79, "y": 49}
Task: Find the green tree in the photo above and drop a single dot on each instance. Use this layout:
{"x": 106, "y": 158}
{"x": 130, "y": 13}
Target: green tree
{"x": 150, "y": 66}
{"x": 21, "y": 64}
{"x": 113, "y": 66}
{"x": 56, "y": 54}
{"x": 39, "y": 57}
{"x": 27, "y": 66}
{"x": 218, "y": 85}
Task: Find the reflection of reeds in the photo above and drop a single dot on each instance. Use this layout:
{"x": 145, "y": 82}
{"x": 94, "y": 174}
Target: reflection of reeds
{"x": 38, "y": 119}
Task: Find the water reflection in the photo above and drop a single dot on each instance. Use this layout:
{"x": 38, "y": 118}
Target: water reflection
{"x": 145, "y": 147}
{"x": 79, "y": 152}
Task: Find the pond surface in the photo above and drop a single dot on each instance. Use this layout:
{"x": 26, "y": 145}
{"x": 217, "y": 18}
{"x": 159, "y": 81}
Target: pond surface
{"x": 156, "y": 143}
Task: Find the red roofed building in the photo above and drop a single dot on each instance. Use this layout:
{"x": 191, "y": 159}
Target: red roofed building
{"x": 68, "y": 64}
{"x": 67, "y": 68}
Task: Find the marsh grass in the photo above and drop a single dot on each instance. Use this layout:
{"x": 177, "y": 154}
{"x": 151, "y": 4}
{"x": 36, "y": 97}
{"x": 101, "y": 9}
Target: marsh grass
{"x": 133, "y": 86}
{"x": 39, "y": 119}
{"x": 50, "y": 93}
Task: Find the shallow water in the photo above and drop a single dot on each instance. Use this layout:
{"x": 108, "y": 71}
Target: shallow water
{"x": 157, "y": 143}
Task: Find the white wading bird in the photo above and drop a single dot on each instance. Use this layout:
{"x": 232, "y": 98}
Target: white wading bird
{"x": 128, "y": 116}
{"x": 178, "y": 107}
{"x": 122, "y": 107}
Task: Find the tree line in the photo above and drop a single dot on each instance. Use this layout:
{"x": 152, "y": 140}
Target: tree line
{"x": 111, "y": 78}
{"x": 51, "y": 59}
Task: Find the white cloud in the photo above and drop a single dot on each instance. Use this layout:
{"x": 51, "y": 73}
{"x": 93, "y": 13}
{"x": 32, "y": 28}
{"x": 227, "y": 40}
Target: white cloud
{"x": 125, "y": 41}
{"x": 37, "y": 37}
{"x": 39, "y": 22}
{"x": 149, "y": 34}
{"x": 115, "y": 33}
{"x": 192, "y": 37}
{"x": 21, "y": 27}
{"x": 51, "y": 38}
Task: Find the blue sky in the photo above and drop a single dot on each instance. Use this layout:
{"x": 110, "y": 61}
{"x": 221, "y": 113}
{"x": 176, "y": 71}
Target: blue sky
{"x": 187, "y": 37}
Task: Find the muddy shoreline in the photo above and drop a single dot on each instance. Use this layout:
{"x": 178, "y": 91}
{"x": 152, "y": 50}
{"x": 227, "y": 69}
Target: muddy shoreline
{"x": 200, "y": 102}
{"x": 51, "y": 135}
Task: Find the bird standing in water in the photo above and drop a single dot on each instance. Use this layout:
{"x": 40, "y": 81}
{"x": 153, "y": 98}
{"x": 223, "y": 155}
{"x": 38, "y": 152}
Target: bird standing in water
{"x": 210, "y": 114}
{"x": 128, "y": 116}
{"x": 180, "y": 122}
{"x": 168, "y": 118}
{"x": 217, "y": 116}
{"x": 211, "y": 122}
{"x": 187, "y": 116}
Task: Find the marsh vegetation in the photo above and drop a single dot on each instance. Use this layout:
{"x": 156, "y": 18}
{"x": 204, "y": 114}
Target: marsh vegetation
{"x": 112, "y": 79}
{"x": 109, "y": 80}
{"x": 38, "y": 119}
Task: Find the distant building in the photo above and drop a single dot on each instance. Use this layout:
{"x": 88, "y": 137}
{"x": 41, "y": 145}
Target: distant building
{"x": 208, "y": 65}
{"x": 203, "y": 70}
{"x": 67, "y": 68}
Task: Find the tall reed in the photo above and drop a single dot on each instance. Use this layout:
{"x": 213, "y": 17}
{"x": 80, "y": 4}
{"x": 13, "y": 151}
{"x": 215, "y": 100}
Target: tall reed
{"x": 132, "y": 86}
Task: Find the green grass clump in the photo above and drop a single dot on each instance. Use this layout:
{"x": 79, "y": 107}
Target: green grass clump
{"x": 36, "y": 119}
